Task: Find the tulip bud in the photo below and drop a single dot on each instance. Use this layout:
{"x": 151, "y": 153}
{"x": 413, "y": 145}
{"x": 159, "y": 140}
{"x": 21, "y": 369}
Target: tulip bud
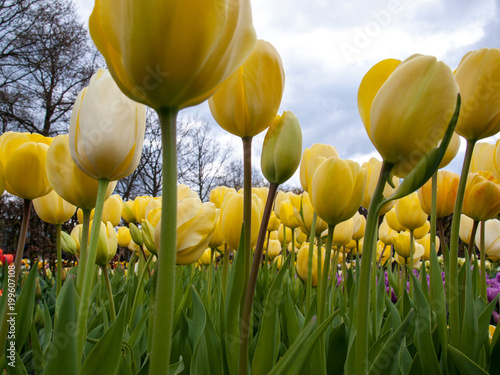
{"x": 302, "y": 261}
{"x": 135, "y": 234}
{"x": 128, "y": 212}
{"x": 282, "y": 149}
{"x": 52, "y": 209}
{"x": 482, "y": 196}
{"x": 148, "y": 235}
{"x": 359, "y": 226}
{"x": 68, "y": 244}
{"x": 107, "y": 244}
{"x": 274, "y": 248}
{"x": 112, "y": 210}
{"x": 124, "y": 237}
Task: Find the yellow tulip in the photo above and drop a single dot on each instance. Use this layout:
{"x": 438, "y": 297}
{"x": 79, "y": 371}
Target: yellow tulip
{"x": 285, "y": 209}
{"x": 342, "y": 233}
{"x": 451, "y": 151}
{"x": 52, "y": 209}
{"x": 302, "y": 259}
{"x": 337, "y": 189}
{"x": 196, "y": 222}
{"x": 288, "y": 232}
{"x": 279, "y": 260}
{"x": 76, "y": 234}
{"x": 412, "y": 101}
{"x": 218, "y": 194}
{"x": 217, "y": 239}
{"x": 205, "y": 258}
{"x": 310, "y": 162}
{"x": 106, "y": 131}
{"x": 409, "y": 212}
{"x": 402, "y": 246}
{"x": 68, "y": 244}
{"x": 465, "y": 229}
{"x": 358, "y": 226}
{"x": 491, "y": 240}
{"x": 274, "y": 222}
{"x": 422, "y": 231}
{"x": 112, "y": 210}
{"x": 484, "y": 158}
{"x": 373, "y": 167}
{"x": 447, "y": 187}
{"x": 383, "y": 248}
{"x": 68, "y": 181}
{"x": 300, "y": 236}
{"x": 179, "y": 53}
{"x": 274, "y": 248}
{"x": 152, "y": 205}
{"x": 140, "y": 205}
{"x": 232, "y": 220}
{"x": 426, "y": 243}
{"x": 123, "y": 236}
{"x": 247, "y": 102}
{"x": 478, "y": 75}
{"x": 23, "y": 157}
{"x": 304, "y": 215}
{"x": 107, "y": 244}
{"x": 386, "y": 233}
{"x": 281, "y": 149}
{"x": 482, "y": 196}
{"x": 128, "y": 212}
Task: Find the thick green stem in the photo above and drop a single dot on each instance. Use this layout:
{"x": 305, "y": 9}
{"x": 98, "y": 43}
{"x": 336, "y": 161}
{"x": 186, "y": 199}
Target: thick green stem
{"x": 247, "y": 210}
{"x": 105, "y": 273}
{"x": 364, "y": 278}
{"x": 483, "y": 262}
{"x": 434, "y": 187}
{"x": 442, "y": 239}
{"x": 453, "y": 294}
{"x": 82, "y": 264}
{"x": 165, "y": 288}
{"x": 412, "y": 255}
{"x": 83, "y": 310}
{"x": 310, "y": 262}
{"x": 59, "y": 259}
{"x": 257, "y": 259}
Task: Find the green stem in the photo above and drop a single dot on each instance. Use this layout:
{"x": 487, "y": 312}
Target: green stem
{"x": 442, "y": 238}
{"x": 364, "y": 278}
{"x": 483, "y": 262}
{"x": 453, "y": 294}
{"x": 433, "y": 209}
{"x": 472, "y": 238}
{"x": 252, "y": 281}
{"x": 310, "y": 262}
{"x": 210, "y": 276}
{"x": 247, "y": 211}
{"x": 83, "y": 310}
{"x": 59, "y": 259}
{"x": 165, "y": 288}
{"x": 82, "y": 265}
{"x": 225, "y": 268}
{"x": 139, "y": 290}
{"x": 324, "y": 276}
{"x": 110, "y": 293}
{"x": 412, "y": 254}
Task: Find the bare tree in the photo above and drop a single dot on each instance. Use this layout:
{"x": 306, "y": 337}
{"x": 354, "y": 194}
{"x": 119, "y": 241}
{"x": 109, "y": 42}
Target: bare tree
{"x": 50, "y": 61}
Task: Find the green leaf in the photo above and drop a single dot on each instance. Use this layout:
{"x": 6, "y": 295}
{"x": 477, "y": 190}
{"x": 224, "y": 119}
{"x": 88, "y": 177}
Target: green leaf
{"x": 337, "y": 350}
{"x": 36, "y": 350}
{"x": 292, "y": 362}
{"x": 268, "y": 341}
{"x": 291, "y": 326}
{"x": 231, "y": 335}
{"x": 427, "y": 165}
{"x": 16, "y": 368}
{"x": 104, "y": 358}
{"x": 464, "y": 364}
{"x": 47, "y": 327}
{"x": 483, "y": 322}
{"x": 469, "y": 332}
{"x": 423, "y": 332}
{"x": 23, "y": 313}
{"x": 61, "y": 355}
{"x": 207, "y": 353}
{"x": 391, "y": 347}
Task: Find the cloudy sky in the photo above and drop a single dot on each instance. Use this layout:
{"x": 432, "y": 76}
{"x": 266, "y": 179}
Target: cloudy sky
{"x": 327, "y": 46}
